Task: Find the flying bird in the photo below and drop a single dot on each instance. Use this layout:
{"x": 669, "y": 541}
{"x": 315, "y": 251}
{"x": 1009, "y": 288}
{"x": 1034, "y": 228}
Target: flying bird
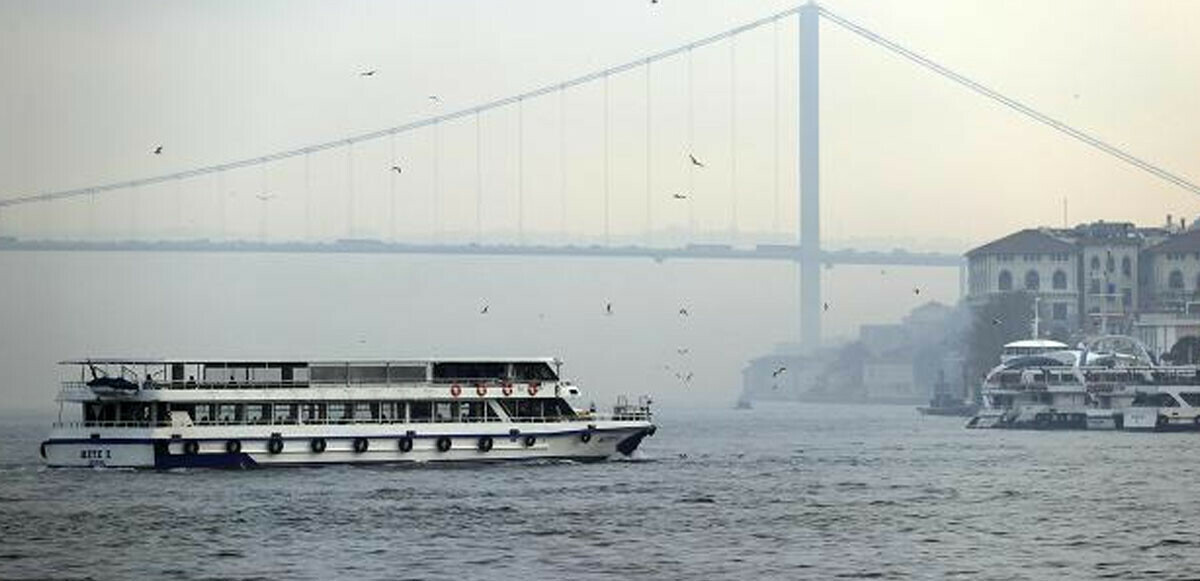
{"x": 484, "y": 310}
{"x": 916, "y": 291}
{"x": 435, "y": 98}
{"x": 158, "y": 150}
{"x": 683, "y": 312}
{"x": 682, "y": 350}
{"x": 396, "y": 169}
{"x": 679, "y": 196}
{"x": 825, "y": 306}
{"x": 996, "y": 321}
{"x": 264, "y": 197}
{"x": 779, "y": 371}
{"x": 695, "y": 161}
{"x": 369, "y": 73}
{"x": 608, "y": 308}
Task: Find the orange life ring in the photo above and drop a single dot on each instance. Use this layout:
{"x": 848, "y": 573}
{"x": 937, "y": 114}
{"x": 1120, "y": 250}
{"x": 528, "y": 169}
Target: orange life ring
{"x": 507, "y": 389}
{"x": 480, "y": 389}
{"x": 456, "y": 390}
{"x": 532, "y": 389}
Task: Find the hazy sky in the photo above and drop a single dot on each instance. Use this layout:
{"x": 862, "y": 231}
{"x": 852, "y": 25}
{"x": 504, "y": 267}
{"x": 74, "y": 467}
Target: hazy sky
{"x": 90, "y": 88}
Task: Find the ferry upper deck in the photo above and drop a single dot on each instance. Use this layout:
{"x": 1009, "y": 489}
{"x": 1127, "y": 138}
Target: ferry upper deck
{"x": 191, "y": 374}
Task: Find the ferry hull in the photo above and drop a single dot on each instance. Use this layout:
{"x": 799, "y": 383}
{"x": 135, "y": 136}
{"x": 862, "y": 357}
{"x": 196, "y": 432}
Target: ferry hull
{"x": 295, "y": 445}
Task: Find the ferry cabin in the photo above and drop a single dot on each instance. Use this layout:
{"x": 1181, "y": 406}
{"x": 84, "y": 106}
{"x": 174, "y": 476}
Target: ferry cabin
{"x": 167, "y": 413}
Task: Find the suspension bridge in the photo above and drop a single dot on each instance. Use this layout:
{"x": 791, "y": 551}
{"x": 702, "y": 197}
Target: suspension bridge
{"x": 367, "y": 192}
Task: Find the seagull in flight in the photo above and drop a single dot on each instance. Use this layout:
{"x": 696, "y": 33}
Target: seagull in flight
{"x": 916, "y": 291}
{"x": 695, "y": 161}
{"x": 608, "y": 308}
{"x": 779, "y": 371}
{"x": 369, "y": 73}
{"x": 683, "y": 312}
{"x": 396, "y": 169}
{"x": 435, "y": 98}
{"x": 682, "y": 350}
{"x": 679, "y": 196}
{"x": 484, "y": 310}
{"x": 996, "y": 321}
{"x": 825, "y": 306}
{"x": 264, "y": 197}
{"x": 158, "y": 150}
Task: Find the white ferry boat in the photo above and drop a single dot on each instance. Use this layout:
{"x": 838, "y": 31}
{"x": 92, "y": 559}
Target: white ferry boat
{"x": 1109, "y": 383}
{"x": 171, "y": 413}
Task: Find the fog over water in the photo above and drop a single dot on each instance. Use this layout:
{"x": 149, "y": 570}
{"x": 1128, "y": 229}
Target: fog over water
{"x": 65, "y": 305}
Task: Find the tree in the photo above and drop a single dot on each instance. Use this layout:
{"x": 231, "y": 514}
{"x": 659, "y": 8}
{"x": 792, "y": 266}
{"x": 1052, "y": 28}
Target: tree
{"x": 1002, "y": 319}
{"x": 1185, "y": 351}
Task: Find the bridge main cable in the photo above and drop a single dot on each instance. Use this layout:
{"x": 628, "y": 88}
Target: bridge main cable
{"x": 1012, "y": 103}
{"x": 498, "y": 103}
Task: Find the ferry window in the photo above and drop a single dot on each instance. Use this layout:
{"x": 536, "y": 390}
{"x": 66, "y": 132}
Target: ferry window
{"x": 284, "y": 412}
{"x": 228, "y": 412}
{"x": 266, "y": 374}
{"x": 387, "y": 411}
{"x": 406, "y": 373}
{"x": 362, "y": 411}
{"x": 533, "y": 371}
{"x": 420, "y": 411}
{"x": 336, "y": 410}
{"x": 254, "y": 413}
{"x": 312, "y": 412}
{"x": 465, "y": 371}
{"x": 368, "y": 374}
{"x": 202, "y": 414}
{"x": 329, "y": 374}
{"x": 441, "y": 411}
{"x": 1192, "y": 398}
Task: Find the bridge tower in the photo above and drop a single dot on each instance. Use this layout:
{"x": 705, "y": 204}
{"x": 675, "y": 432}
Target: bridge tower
{"x": 810, "y": 184}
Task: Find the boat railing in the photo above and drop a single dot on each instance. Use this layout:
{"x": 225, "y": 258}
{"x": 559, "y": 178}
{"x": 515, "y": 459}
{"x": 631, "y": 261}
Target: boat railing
{"x": 354, "y": 421}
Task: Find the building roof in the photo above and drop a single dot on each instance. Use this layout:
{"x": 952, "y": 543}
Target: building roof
{"x": 1028, "y": 241}
{"x": 1183, "y": 242}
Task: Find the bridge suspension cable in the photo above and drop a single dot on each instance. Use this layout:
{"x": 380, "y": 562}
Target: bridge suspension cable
{"x": 346, "y": 141}
{"x": 1011, "y": 103}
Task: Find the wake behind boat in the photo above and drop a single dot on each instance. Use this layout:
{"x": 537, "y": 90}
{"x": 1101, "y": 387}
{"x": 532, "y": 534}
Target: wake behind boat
{"x": 167, "y": 413}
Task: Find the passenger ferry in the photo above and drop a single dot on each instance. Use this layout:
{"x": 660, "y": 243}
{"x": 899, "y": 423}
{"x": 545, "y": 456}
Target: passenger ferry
{"x": 1110, "y": 382}
{"x": 172, "y": 413}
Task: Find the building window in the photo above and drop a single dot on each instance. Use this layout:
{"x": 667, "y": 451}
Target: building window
{"x": 1005, "y": 280}
{"x": 1110, "y": 264}
{"x": 1175, "y": 280}
{"x": 1032, "y": 280}
{"x": 1126, "y": 266}
{"x": 1059, "y": 311}
{"x": 1127, "y": 297}
{"x": 1059, "y": 281}
{"x": 1094, "y": 287}
{"x": 1095, "y": 263}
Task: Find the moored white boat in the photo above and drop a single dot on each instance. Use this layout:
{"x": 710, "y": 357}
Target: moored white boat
{"x": 151, "y": 413}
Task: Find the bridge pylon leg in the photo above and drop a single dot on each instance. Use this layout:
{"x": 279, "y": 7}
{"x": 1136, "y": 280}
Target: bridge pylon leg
{"x": 810, "y": 159}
